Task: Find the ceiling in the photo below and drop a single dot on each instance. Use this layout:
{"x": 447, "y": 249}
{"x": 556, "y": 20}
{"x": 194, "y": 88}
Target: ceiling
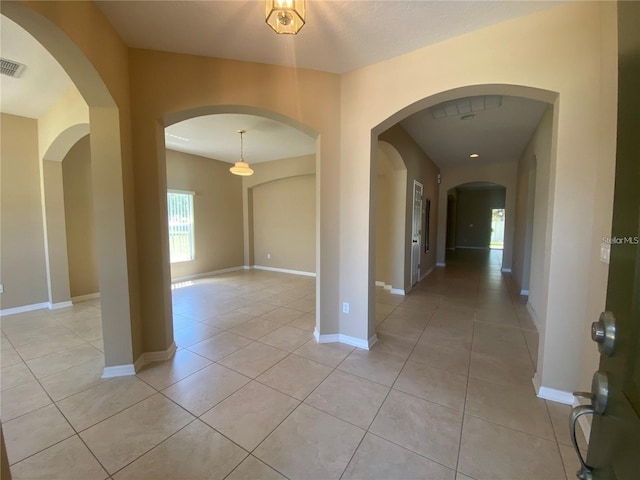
{"x": 41, "y": 83}
{"x": 497, "y": 135}
{"x": 339, "y": 36}
{"x": 216, "y": 136}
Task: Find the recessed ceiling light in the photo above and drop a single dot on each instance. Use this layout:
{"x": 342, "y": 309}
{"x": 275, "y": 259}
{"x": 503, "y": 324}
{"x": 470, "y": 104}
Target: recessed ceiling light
{"x": 474, "y": 155}
{"x": 470, "y": 116}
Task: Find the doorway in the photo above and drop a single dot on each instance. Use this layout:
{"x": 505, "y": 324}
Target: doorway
{"x": 497, "y": 229}
{"x": 416, "y": 232}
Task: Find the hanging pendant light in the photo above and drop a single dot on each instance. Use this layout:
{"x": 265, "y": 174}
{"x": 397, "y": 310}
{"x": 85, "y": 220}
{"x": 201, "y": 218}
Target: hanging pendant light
{"x": 285, "y": 16}
{"x": 241, "y": 167}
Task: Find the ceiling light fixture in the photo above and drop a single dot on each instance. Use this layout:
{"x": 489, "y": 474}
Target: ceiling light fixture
{"x": 241, "y": 167}
{"x": 474, "y": 155}
{"x": 470, "y": 116}
{"x": 285, "y": 16}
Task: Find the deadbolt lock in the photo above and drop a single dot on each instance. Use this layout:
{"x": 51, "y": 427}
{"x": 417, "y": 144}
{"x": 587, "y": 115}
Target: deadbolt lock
{"x": 603, "y": 332}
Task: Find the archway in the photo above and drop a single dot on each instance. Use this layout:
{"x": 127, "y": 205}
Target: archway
{"x": 287, "y": 168}
{"x": 471, "y": 215}
{"x": 498, "y": 174}
{"x": 56, "y": 248}
{"x": 115, "y": 226}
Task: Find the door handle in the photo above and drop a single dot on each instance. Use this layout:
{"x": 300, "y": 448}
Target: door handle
{"x": 585, "y": 472}
{"x": 599, "y": 397}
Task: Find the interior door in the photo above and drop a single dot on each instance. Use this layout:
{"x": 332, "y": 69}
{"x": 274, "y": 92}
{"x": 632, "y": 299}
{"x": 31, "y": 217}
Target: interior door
{"x": 614, "y": 446}
{"x": 416, "y": 232}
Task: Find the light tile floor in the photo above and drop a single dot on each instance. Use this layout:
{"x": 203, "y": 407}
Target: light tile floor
{"x": 446, "y": 392}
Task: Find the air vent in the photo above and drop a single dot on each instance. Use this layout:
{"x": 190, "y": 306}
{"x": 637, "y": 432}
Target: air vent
{"x": 11, "y": 68}
{"x": 465, "y": 106}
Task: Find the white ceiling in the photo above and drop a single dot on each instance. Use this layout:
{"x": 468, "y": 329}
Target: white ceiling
{"x": 42, "y": 82}
{"x": 498, "y": 135}
{"x": 339, "y": 36}
{"x": 216, "y": 136}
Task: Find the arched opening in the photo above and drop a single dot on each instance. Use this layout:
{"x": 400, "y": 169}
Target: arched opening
{"x": 472, "y": 214}
{"x": 255, "y": 257}
{"x": 61, "y": 257}
{"x": 448, "y": 226}
{"x": 115, "y": 229}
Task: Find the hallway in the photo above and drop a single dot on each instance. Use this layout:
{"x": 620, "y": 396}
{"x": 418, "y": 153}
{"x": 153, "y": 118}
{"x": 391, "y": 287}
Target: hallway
{"x": 249, "y": 394}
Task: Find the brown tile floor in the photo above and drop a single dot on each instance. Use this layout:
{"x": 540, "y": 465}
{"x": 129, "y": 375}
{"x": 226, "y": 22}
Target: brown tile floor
{"x": 445, "y": 393}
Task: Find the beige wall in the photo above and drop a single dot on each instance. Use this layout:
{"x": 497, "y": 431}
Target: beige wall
{"x": 55, "y": 234}
{"x": 384, "y": 193}
{"x": 79, "y": 219}
{"x": 604, "y": 185}
{"x": 217, "y": 205}
{"x": 284, "y": 219}
{"x": 22, "y": 258}
{"x": 531, "y": 239}
{"x": 391, "y": 205}
{"x": 497, "y": 59}
{"x": 267, "y": 172}
{"x": 419, "y": 167}
{"x": 67, "y": 112}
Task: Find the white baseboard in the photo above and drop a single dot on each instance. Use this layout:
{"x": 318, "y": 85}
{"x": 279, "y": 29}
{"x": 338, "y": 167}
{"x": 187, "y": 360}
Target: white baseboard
{"x": 583, "y": 420}
{"x": 346, "y": 339}
{"x": 205, "y": 274}
{"x": 24, "y": 308}
{"x": 506, "y": 270}
{"x": 555, "y": 395}
{"x": 149, "y": 357}
{"x": 441, "y": 264}
{"x": 82, "y": 298}
{"x": 524, "y": 292}
{"x": 55, "y": 306}
{"x": 246, "y": 267}
{"x": 144, "y": 359}
{"x": 119, "y": 371}
{"x": 284, "y": 270}
{"x": 390, "y": 289}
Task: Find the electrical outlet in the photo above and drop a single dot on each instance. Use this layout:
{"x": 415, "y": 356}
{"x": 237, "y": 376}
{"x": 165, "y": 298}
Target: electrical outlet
{"x": 1, "y": 288}
{"x": 268, "y": 256}
{"x": 345, "y": 307}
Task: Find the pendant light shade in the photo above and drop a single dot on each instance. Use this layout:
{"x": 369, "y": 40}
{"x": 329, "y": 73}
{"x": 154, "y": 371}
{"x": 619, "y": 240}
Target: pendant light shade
{"x": 241, "y": 167}
{"x": 285, "y": 16}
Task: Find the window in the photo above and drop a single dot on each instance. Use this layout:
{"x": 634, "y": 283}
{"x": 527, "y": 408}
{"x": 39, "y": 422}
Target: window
{"x": 180, "y": 209}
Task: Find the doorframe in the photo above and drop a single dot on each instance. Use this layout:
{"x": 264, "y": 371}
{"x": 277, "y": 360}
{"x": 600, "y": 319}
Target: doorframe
{"x": 417, "y": 235}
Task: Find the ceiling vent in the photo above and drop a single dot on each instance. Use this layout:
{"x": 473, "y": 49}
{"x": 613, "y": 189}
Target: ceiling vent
{"x": 466, "y": 106}
{"x": 11, "y": 68}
